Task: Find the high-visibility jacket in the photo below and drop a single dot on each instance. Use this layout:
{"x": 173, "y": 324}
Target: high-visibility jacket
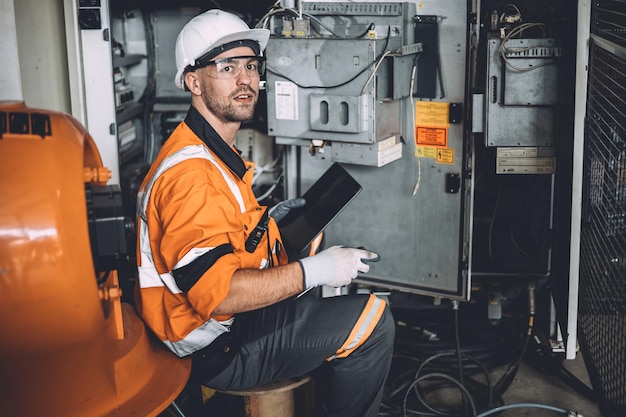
{"x": 196, "y": 210}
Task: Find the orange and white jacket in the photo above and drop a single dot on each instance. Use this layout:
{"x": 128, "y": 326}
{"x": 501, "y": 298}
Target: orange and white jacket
{"x": 195, "y": 210}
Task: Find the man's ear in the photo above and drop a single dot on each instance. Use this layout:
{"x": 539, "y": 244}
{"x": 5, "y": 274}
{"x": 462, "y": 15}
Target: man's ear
{"x": 193, "y": 83}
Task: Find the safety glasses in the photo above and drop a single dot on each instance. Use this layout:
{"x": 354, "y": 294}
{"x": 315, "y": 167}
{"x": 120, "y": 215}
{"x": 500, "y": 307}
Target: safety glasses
{"x": 231, "y": 67}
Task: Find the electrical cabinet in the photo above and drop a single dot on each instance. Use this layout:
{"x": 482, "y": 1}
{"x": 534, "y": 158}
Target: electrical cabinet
{"x": 349, "y": 94}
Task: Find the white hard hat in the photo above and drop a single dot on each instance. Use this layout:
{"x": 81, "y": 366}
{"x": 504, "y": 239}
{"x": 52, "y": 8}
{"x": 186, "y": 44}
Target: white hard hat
{"x": 208, "y": 31}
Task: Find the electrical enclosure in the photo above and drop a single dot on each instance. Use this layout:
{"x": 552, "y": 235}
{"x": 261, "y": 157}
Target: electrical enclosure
{"x": 342, "y": 98}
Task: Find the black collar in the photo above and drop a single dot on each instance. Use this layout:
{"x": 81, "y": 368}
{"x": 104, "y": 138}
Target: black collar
{"x": 205, "y": 131}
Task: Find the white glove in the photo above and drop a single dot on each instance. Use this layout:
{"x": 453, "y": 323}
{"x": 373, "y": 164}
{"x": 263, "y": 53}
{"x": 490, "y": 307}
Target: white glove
{"x": 335, "y": 266}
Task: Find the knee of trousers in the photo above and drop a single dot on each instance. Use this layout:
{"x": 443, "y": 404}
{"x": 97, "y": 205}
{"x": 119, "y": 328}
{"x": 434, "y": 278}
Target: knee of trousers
{"x": 382, "y": 339}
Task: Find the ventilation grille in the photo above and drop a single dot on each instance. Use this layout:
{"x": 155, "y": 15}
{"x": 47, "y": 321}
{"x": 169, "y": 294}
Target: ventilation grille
{"x": 609, "y": 20}
{"x": 602, "y": 300}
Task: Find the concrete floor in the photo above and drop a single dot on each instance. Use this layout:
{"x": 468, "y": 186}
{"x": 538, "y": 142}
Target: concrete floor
{"x": 534, "y": 386}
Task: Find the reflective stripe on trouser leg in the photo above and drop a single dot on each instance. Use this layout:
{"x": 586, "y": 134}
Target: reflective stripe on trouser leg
{"x": 363, "y": 328}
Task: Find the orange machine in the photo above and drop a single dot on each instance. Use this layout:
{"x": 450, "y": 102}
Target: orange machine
{"x": 69, "y": 346}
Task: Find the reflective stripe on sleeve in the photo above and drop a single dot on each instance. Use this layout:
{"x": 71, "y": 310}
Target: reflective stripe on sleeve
{"x": 148, "y": 276}
{"x": 199, "y": 337}
{"x": 363, "y": 328}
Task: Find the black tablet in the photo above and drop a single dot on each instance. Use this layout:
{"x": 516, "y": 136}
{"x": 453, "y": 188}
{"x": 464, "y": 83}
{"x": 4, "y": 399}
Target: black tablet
{"x": 326, "y": 198}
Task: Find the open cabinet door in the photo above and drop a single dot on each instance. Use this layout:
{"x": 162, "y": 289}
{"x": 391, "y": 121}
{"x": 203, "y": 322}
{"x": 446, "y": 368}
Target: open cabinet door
{"x": 601, "y": 155}
{"x": 391, "y": 109}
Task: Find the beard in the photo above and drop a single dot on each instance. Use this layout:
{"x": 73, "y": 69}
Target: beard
{"x": 226, "y": 109}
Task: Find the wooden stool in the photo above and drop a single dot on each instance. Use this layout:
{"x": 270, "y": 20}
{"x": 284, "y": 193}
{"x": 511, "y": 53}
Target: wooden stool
{"x": 271, "y": 400}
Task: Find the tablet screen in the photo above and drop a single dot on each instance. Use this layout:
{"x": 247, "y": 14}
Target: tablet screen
{"x": 326, "y": 198}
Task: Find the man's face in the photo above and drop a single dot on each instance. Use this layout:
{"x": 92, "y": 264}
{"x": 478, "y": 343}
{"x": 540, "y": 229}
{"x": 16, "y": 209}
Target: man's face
{"x": 234, "y": 99}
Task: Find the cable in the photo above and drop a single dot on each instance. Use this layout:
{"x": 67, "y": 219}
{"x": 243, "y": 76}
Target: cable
{"x": 492, "y": 222}
{"x": 103, "y": 278}
{"x": 459, "y": 363}
{"x": 492, "y": 345}
{"x": 319, "y": 22}
{"x": 517, "y": 245}
{"x": 263, "y": 22}
{"x": 483, "y": 369}
{"x": 453, "y": 359}
{"x": 464, "y": 390}
{"x": 457, "y": 339}
{"x": 175, "y": 410}
{"x": 269, "y": 69}
{"x": 419, "y": 162}
{"x": 380, "y": 60}
{"x": 270, "y": 190}
{"x": 512, "y": 18}
{"x": 269, "y": 167}
{"x": 507, "y": 378}
{"x": 151, "y": 53}
{"x": 474, "y": 394}
{"x": 518, "y": 31}
{"x": 522, "y": 405}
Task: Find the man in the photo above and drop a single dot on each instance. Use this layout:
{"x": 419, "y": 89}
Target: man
{"x": 206, "y": 288}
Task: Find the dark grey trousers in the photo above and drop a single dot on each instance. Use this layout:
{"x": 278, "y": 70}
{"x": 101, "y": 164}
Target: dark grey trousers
{"x": 294, "y": 338}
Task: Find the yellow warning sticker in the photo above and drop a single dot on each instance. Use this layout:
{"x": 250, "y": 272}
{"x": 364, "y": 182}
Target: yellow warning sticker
{"x": 426, "y": 152}
{"x": 445, "y": 156}
{"x": 432, "y": 114}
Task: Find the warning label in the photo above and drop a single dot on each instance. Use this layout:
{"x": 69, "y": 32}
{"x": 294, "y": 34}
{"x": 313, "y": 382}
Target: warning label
{"x": 426, "y": 152}
{"x": 445, "y": 156}
{"x": 431, "y": 113}
{"x": 431, "y": 136}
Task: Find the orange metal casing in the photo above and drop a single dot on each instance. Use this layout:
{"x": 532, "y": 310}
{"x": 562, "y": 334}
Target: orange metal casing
{"x": 62, "y": 351}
